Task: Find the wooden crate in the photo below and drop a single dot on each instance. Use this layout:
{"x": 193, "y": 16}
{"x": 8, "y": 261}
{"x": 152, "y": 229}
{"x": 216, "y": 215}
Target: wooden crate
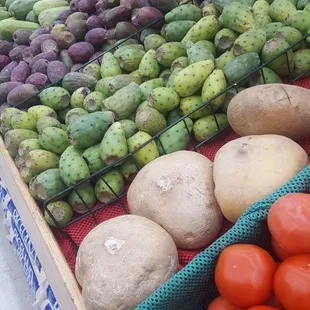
{"x": 60, "y": 276}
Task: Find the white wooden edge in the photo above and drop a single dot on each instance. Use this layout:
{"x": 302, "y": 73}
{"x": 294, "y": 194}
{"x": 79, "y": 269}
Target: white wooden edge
{"x": 58, "y": 272}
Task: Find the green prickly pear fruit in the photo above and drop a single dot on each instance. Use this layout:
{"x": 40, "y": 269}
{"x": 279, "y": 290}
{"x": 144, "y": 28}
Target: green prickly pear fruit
{"x": 129, "y": 127}
{"x": 163, "y": 99}
{"x": 54, "y": 140}
{"x": 39, "y": 111}
{"x": 180, "y": 62}
{"x": 142, "y": 105}
{"x": 280, "y": 65}
{"x": 301, "y": 4}
{"x": 205, "y": 29}
{"x": 41, "y": 160}
{"x": 93, "y": 70}
{"x": 153, "y": 42}
{"x": 224, "y": 59}
{"x": 110, "y": 66}
{"x": 45, "y": 122}
{"x": 72, "y": 167}
{"x": 89, "y": 129}
{"x": 261, "y": 21}
{"x": 120, "y": 81}
{"x": 27, "y": 146}
{"x": 124, "y": 48}
{"x": 63, "y": 127}
{"x": 83, "y": 199}
{"x": 170, "y": 82}
{"x": 173, "y": 116}
{"x": 124, "y": 102}
{"x": 302, "y": 62}
{"x": 23, "y": 120}
{"x": 176, "y": 31}
{"x": 250, "y": 41}
{"x": 210, "y": 9}
{"x": 78, "y": 96}
{"x": 93, "y": 101}
{"x": 56, "y": 98}
{"x": 237, "y": 17}
{"x": 241, "y": 66}
{"x": 102, "y": 86}
{"x": 26, "y": 174}
{"x": 307, "y": 7}
{"x": 176, "y": 138}
{"x": 169, "y": 52}
{"x": 148, "y": 86}
{"x": 300, "y": 20}
{"x": 190, "y": 103}
{"x": 214, "y": 84}
{"x": 208, "y": 126}
{"x": 272, "y": 28}
{"x": 190, "y": 79}
{"x": 260, "y": 7}
{"x": 230, "y": 94}
{"x": 165, "y": 74}
{"x": 197, "y": 53}
{"x": 130, "y": 59}
{"x": 281, "y": 10}
{"x": 61, "y": 213}
{"x": 184, "y": 12}
{"x": 224, "y": 40}
{"x": 264, "y": 76}
{"x": 6, "y": 117}
{"x": 109, "y": 186}
{"x": 149, "y": 67}
{"x": 62, "y": 113}
{"x": 19, "y": 161}
{"x": 46, "y": 185}
{"x": 147, "y": 153}
{"x": 74, "y": 114}
{"x": 113, "y": 146}
{"x": 150, "y": 121}
{"x": 220, "y": 4}
{"x": 137, "y": 76}
{"x": 93, "y": 159}
{"x": 291, "y": 36}
{"x": 129, "y": 169}
{"x": 207, "y": 45}
{"x": 13, "y": 138}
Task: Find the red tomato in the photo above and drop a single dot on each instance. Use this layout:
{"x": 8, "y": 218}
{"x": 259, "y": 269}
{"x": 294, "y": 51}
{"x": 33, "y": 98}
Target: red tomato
{"x": 288, "y": 221}
{"x": 281, "y": 253}
{"x": 273, "y": 302}
{"x": 220, "y": 303}
{"x": 292, "y": 283}
{"x": 244, "y": 274}
{"x": 263, "y": 308}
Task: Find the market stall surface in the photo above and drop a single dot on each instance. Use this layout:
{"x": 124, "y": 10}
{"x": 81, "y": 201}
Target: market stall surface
{"x": 15, "y": 293}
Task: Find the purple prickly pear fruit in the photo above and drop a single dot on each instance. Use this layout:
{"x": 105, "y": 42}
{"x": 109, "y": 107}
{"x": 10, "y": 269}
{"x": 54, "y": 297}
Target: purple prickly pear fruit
{"x": 115, "y": 15}
{"x": 46, "y": 185}
{"x": 144, "y": 16}
{"x": 61, "y": 19}
{"x": 56, "y": 70}
{"x": 146, "y": 154}
{"x": 21, "y": 93}
{"x": 5, "y": 47}
{"x": 114, "y": 144}
{"x": 54, "y": 140}
{"x": 96, "y": 36}
{"x": 40, "y": 66}
{"x": 29, "y": 53}
{"x": 110, "y": 35}
{"x": 78, "y": 28}
{"x": 16, "y": 53}
{"x": 20, "y": 73}
{"x": 99, "y": 60}
{"x": 56, "y": 98}
{"x": 81, "y": 52}
{"x": 5, "y": 89}
{"x": 49, "y": 46}
{"x": 5, "y": 75}
{"x": 58, "y": 28}
{"x": 149, "y": 67}
{"x": 4, "y": 61}
{"x": 76, "y": 67}
{"x": 134, "y": 4}
{"x": 39, "y": 80}
{"x": 94, "y": 21}
{"x": 65, "y": 39}
{"x": 76, "y": 15}
{"x": 21, "y": 37}
{"x": 87, "y": 6}
{"x": 36, "y": 42}
{"x": 124, "y": 30}
{"x": 49, "y": 56}
{"x": 37, "y": 33}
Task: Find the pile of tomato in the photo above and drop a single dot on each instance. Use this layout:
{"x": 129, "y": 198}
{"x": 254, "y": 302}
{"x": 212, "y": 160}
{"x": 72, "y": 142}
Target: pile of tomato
{"x": 248, "y": 277}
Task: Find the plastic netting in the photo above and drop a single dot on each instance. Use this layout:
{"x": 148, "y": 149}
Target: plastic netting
{"x": 193, "y": 286}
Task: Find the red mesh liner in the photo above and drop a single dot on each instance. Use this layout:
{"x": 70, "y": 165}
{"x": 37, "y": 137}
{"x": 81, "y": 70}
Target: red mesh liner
{"x": 80, "y": 229}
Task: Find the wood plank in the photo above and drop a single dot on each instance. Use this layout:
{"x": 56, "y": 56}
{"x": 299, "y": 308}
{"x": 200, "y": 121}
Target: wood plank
{"x": 60, "y": 277}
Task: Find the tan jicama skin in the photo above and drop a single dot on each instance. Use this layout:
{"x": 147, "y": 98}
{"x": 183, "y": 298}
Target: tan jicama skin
{"x": 177, "y": 192}
{"x": 250, "y": 168}
{"x": 123, "y": 261}
{"x": 271, "y": 109}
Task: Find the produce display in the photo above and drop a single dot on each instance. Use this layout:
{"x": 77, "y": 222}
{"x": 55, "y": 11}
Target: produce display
{"x": 105, "y": 116}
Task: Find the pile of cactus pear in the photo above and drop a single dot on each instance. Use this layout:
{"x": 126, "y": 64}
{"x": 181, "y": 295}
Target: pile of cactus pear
{"x": 146, "y": 97}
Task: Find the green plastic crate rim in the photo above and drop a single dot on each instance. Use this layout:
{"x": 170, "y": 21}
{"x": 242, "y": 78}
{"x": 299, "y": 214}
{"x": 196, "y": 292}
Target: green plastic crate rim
{"x": 193, "y": 287}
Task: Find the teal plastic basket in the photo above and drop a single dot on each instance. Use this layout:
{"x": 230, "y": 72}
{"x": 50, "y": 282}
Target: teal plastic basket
{"x": 193, "y": 288}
